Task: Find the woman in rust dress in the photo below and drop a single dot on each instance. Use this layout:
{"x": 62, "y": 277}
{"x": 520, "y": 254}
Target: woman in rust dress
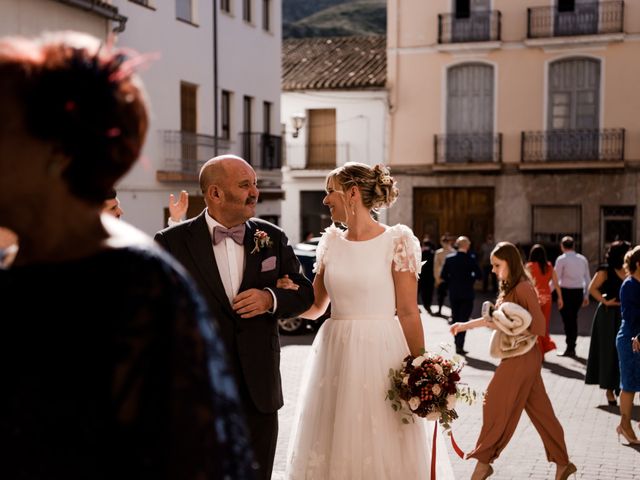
{"x": 542, "y": 273}
{"x": 517, "y": 383}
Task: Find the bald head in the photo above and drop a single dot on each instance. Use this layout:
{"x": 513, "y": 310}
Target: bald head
{"x": 216, "y": 170}
{"x": 463, "y": 243}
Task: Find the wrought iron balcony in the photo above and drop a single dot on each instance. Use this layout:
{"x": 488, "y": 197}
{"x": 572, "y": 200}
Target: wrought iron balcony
{"x": 573, "y": 145}
{"x": 595, "y": 18}
{"x": 261, "y": 150}
{"x": 468, "y": 148}
{"x": 186, "y": 152}
{"x": 477, "y": 27}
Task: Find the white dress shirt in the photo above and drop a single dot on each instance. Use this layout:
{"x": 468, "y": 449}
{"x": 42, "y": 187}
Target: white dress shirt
{"x": 573, "y": 271}
{"x": 230, "y": 260}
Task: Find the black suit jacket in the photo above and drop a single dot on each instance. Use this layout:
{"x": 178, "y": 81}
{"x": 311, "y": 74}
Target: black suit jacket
{"x": 461, "y": 271}
{"x": 253, "y": 344}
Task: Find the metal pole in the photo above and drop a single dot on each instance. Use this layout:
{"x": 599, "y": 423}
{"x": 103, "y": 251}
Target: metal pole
{"x": 214, "y": 5}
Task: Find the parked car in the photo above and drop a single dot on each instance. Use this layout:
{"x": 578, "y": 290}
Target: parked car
{"x": 306, "y": 253}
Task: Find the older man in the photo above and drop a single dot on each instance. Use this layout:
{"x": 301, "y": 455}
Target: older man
{"x": 236, "y": 261}
{"x": 461, "y": 271}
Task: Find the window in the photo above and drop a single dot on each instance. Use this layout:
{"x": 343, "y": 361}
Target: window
{"x": 566, "y": 5}
{"x": 246, "y": 10}
{"x": 248, "y": 146}
{"x": 266, "y": 117}
{"x": 321, "y": 138}
{"x": 463, "y": 8}
{"x": 188, "y": 107}
{"x": 225, "y": 6}
{"x": 616, "y": 223}
{"x": 225, "y": 115}
{"x": 184, "y": 10}
{"x": 552, "y": 222}
{"x": 266, "y": 15}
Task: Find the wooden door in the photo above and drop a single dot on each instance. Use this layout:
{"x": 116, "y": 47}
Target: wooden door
{"x": 189, "y": 126}
{"x": 458, "y": 211}
{"x": 322, "y": 138}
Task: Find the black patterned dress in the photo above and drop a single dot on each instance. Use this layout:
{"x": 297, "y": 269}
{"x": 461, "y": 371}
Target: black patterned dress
{"x": 112, "y": 368}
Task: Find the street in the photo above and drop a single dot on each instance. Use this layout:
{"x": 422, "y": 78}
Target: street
{"x": 589, "y": 423}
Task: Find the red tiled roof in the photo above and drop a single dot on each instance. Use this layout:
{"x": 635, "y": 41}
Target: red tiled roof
{"x": 334, "y": 63}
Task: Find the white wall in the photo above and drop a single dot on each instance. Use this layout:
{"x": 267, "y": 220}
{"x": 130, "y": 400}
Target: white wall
{"x": 32, "y": 17}
{"x": 361, "y": 135}
{"x": 248, "y": 64}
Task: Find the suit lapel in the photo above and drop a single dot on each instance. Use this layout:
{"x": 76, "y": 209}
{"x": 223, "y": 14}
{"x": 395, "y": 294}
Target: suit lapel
{"x": 201, "y": 249}
{"x": 251, "y": 260}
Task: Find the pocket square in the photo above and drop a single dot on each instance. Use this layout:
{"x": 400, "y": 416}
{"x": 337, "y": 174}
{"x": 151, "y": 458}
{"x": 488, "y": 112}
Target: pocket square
{"x": 268, "y": 264}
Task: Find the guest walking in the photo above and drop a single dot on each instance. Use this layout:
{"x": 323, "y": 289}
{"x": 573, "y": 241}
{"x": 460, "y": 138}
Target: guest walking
{"x": 427, "y": 280}
{"x": 542, "y": 273}
{"x": 573, "y": 276}
{"x": 517, "y": 382}
{"x": 438, "y": 262}
{"x": 111, "y": 365}
{"x": 461, "y": 271}
{"x": 628, "y": 343}
{"x": 602, "y": 364}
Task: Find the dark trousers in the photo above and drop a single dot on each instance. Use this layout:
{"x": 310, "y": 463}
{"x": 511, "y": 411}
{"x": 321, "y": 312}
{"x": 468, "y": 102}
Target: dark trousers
{"x": 263, "y": 428}
{"x": 441, "y": 293}
{"x": 461, "y": 309}
{"x": 572, "y": 298}
{"x": 426, "y": 292}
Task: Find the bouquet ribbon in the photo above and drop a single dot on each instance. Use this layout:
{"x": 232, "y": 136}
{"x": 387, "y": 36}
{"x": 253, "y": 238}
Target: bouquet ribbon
{"x": 455, "y": 446}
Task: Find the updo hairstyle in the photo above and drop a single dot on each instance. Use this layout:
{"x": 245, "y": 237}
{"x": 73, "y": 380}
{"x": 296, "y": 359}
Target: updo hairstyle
{"x": 82, "y": 97}
{"x": 377, "y": 187}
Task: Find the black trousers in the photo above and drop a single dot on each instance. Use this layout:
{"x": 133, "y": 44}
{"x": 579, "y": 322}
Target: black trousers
{"x": 426, "y": 292}
{"x": 441, "y": 293}
{"x": 461, "y": 312}
{"x": 572, "y": 298}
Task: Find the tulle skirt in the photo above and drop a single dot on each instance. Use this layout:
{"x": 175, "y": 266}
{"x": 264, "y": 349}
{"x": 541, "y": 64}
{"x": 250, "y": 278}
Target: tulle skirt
{"x": 344, "y": 428}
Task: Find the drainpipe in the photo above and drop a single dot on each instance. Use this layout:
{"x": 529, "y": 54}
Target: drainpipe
{"x": 215, "y": 77}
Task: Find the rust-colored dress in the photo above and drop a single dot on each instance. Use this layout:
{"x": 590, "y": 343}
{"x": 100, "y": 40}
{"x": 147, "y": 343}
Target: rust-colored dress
{"x": 541, "y": 281}
{"x": 516, "y": 386}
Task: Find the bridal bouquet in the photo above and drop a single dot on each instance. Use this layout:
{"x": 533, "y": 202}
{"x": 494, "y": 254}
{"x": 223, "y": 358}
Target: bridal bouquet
{"x": 428, "y": 386}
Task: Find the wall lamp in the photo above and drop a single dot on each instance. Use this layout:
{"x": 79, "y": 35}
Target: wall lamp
{"x": 297, "y": 121}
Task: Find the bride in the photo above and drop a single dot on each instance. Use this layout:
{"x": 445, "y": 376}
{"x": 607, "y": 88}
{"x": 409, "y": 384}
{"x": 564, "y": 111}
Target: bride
{"x": 344, "y": 428}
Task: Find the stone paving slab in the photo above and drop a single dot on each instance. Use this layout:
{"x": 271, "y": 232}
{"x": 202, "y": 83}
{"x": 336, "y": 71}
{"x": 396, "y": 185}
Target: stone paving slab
{"x": 588, "y": 422}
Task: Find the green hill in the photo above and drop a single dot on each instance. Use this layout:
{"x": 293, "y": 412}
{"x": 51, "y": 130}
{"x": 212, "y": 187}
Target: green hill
{"x": 331, "y": 18}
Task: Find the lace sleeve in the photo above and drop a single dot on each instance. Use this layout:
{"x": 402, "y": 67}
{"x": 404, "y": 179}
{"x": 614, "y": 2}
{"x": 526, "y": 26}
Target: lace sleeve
{"x": 323, "y": 247}
{"x": 407, "y": 255}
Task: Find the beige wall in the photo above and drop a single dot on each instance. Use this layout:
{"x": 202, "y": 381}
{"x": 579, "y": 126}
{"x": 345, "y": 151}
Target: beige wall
{"x": 417, "y": 68}
{"x": 31, "y": 17}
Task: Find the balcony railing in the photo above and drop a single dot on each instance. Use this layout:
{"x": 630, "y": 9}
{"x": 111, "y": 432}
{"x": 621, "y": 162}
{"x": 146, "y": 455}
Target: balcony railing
{"x": 573, "y": 145}
{"x": 186, "y": 152}
{"x": 468, "y": 148}
{"x": 477, "y": 27}
{"x": 261, "y": 150}
{"x": 594, "y": 18}
{"x": 317, "y": 156}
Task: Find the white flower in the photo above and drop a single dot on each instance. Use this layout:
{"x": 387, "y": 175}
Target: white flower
{"x": 433, "y": 416}
{"x": 438, "y": 369}
{"x": 417, "y": 361}
{"x": 405, "y": 380}
{"x": 436, "y": 390}
{"x": 414, "y": 403}
{"x": 451, "y": 402}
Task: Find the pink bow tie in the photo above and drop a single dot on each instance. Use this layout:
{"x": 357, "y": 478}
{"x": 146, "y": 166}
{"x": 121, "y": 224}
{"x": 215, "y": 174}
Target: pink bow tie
{"x": 234, "y": 233}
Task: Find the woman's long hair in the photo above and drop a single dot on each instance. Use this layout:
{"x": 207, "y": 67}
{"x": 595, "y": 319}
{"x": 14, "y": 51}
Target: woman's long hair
{"x": 539, "y": 255}
{"x": 509, "y": 253}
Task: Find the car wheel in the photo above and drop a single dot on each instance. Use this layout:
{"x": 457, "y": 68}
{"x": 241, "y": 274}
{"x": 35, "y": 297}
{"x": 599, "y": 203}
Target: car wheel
{"x": 291, "y": 325}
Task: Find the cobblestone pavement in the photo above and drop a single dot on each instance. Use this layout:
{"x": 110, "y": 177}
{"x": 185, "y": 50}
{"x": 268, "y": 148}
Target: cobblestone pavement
{"x": 588, "y": 421}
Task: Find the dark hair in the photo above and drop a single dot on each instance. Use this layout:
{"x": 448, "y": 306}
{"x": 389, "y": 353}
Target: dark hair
{"x": 509, "y": 253}
{"x": 615, "y": 254}
{"x": 84, "y": 99}
{"x": 377, "y": 187}
{"x": 631, "y": 259}
{"x": 539, "y": 255}
{"x": 111, "y": 194}
{"x": 567, "y": 242}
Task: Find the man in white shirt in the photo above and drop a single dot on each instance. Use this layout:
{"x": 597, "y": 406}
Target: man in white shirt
{"x": 236, "y": 261}
{"x": 573, "y": 276}
{"x": 438, "y": 262}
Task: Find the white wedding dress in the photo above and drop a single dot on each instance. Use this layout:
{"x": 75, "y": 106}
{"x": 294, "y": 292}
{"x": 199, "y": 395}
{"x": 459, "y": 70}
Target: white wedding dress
{"x": 344, "y": 428}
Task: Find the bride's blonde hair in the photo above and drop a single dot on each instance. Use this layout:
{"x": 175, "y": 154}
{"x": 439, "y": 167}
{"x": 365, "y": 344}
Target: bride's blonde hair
{"x": 377, "y": 187}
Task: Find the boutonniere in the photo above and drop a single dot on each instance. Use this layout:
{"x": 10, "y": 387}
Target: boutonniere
{"x": 261, "y": 240}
